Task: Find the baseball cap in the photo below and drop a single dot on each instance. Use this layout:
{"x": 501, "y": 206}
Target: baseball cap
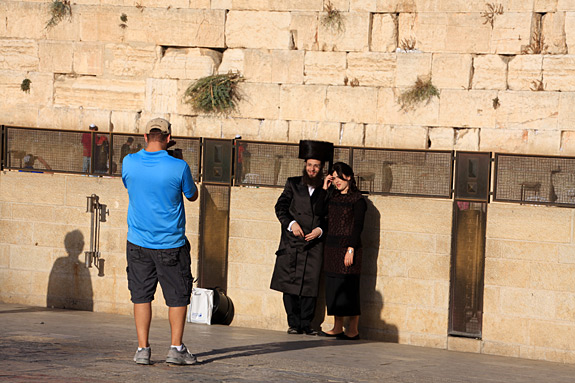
{"x": 93, "y": 126}
{"x": 159, "y": 123}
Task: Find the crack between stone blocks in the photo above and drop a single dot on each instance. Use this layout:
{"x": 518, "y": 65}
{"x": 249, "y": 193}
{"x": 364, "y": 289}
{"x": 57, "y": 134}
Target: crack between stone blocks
{"x": 471, "y": 73}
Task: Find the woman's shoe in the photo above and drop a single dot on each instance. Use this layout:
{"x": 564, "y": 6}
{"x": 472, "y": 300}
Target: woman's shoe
{"x": 342, "y": 336}
{"x": 321, "y": 333}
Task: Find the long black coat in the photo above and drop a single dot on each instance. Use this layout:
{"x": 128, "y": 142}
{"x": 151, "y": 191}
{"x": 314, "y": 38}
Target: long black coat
{"x": 298, "y": 262}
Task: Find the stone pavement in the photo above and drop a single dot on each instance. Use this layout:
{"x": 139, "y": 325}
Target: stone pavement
{"x": 46, "y": 345}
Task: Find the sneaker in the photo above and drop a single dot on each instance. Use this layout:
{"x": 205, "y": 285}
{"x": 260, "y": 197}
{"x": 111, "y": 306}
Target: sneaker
{"x": 143, "y": 356}
{"x": 180, "y": 357}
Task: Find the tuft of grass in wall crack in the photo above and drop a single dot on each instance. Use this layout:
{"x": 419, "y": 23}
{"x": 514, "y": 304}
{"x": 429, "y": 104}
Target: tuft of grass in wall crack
{"x": 332, "y": 19}
{"x": 422, "y": 91}
{"x": 124, "y": 20}
{"x": 25, "y": 85}
{"x": 216, "y": 94}
{"x": 59, "y": 10}
{"x": 493, "y": 9}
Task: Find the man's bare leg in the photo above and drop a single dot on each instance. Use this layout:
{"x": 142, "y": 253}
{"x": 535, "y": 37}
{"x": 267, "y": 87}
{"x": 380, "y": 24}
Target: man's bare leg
{"x": 143, "y": 318}
{"x": 177, "y": 316}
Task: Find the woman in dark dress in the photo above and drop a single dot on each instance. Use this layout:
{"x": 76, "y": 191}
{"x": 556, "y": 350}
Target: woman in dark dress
{"x": 343, "y": 251}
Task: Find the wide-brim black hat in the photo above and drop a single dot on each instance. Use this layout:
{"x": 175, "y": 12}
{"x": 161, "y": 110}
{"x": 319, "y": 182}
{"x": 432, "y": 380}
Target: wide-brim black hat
{"x": 316, "y": 150}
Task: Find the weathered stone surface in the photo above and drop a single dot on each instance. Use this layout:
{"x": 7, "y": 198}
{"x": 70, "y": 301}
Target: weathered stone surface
{"x": 40, "y": 93}
{"x": 393, "y": 6}
{"x": 463, "y": 344}
{"x": 307, "y": 103}
{"x": 383, "y": 33}
{"x": 250, "y": 29}
{"x": 325, "y": 68}
{"x": 55, "y": 56}
{"x": 88, "y": 59}
{"x": 570, "y": 31}
{"x": 187, "y": 63}
{"x": 60, "y": 117}
{"x": 521, "y": 141}
{"x": 259, "y": 101}
{"x": 372, "y": 69}
{"x": 24, "y": 115}
{"x": 410, "y": 66}
{"x": 441, "y": 138}
{"x": 21, "y": 55}
{"x": 310, "y": 130}
{"x": 353, "y": 38}
{"x": 288, "y": 67}
{"x": 396, "y": 137}
{"x": 208, "y": 126}
{"x": 274, "y": 130}
{"x": 352, "y": 134}
{"x": 451, "y": 71}
{"x": 389, "y": 110}
{"x": 467, "y": 139}
{"x": 128, "y": 122}
{"x": 558, "y": 73}
{"x": 567, "y": 144}
{"x": 553, "y": 32}
{"x": 489, "y": 72}
{"x": 304, "y": 30}
{"x": 464, "y": 108}
{"x": 351, "y": 104}
{"x": 525, "y": 72}
{"x": 133, "y": 60}
{"x": 161, "y": 95}
{"x": 99, "y": 93}
{"x": 528, "y": 110}
{"x": 249, "y": 129}
{"x": 258, "y": 65}
{"x": 544, "y": 6}
{"x": 25, "y": 20}
{"x": 510, "y": 31}
{"x": 566, "y": 119}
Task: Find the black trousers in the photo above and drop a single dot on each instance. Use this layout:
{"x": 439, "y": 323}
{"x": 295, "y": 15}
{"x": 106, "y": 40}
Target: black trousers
{"x": 300, "y": 310}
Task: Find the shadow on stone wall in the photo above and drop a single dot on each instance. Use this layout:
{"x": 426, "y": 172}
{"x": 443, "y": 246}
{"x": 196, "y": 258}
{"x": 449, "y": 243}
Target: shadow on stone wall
{"x": 371, "y": 324}
{"x": 70, "y": 286}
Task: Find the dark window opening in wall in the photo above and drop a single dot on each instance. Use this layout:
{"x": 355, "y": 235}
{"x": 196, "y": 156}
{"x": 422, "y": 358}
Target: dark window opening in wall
{"x": 468, "y": 262}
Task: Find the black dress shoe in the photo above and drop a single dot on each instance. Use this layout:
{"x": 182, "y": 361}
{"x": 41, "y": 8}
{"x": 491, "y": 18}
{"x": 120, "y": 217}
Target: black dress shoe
{"x": 321, "y": 333}
{"x": 309, "y": 331}
{"x": 293, "y": 330}
{"x": 342, "y": 336}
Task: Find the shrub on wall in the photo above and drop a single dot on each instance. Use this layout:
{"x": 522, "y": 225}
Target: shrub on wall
{"x": 422, "y": 91}
{"x": 215, "y": 94}
{"x": 59, "y": 10}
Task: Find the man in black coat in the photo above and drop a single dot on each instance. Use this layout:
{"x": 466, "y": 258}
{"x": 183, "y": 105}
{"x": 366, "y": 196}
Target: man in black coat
{"x": 300, "y": 210}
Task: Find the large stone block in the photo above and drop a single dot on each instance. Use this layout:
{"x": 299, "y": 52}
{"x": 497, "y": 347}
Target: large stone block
{"x": 552, "y": 276}
{"x": 161, "y": 95}
{"x": 372, "y": 69}
{"x": 288, "y": 67}
{"x": 415, "y": 215}
{"x": 553, "y": 33}
{"x": 383, "y": 33}
{"x": 528, "y": 110}
{"x": 19, "y": 55}
{"x": 504, "y": 140}
{"x": 545, "y": 6}
{"x": 566, "y": 5}
{"x": 55, "y": 56}
{"x": 304, "y": 31}
{"x": 259, "y": 101}
{"x": 310, "y": 130}
{"x": 489, "y": 72}
{"x": 130, "y": 60}
{"x": 40, "y": 93}
{"x": 570, "y": 30}
{"x": 389, "y": 110}
{"x": 410, "y": 66}
{"x": 427, "y": 321}
{"x": 566, "y": 119}
{"x": 298, "y": 102}
{"x": 247, "y": 128}
{"x": 266, "y": 30}
{"x": 352, "y": 134}
{"x": 354, "y": 36}
{"x": 467, "y": 139}
{"x": 560, "y": 336}
{"x": 25, "y": 20}
{"x": 510, "y": 32}
{"x": 462, "y": 108}
{"x": 525, "y": 72}
{"x": 396, "y": 137}
{"x": 94, "y": 92}
{"x": 426, "y": 266}
{"x": 527, "y": 303}
{"x": 463, "y": 344}
{"x": 441, "y": 138}
{"x": 558, "y": 73}
{"x": 504, "y": 329}
{"x": 325, "y": 68}
{"x": 187, "y": 63}
{"x": 451, "y": 71}
{"x": 509, "y": 273}
{"x": 351, "y": 104}
{"x": 88, "y": 59}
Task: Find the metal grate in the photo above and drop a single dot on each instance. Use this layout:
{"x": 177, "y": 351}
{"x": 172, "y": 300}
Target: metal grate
{"x": 542, "y": 180}
{"x": 268, "y": 164}
{"x": 404, "y": 172}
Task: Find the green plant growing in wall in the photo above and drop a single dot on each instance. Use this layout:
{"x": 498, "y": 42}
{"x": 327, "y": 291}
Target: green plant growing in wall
{"x": 124, "y": 20}
{"x": 25, "y": 85}
{"x": 332, "y": 19}
{"x": 59, "y": 10}
{"x": 493, "y": 9}
{"x": 217, "y": 94}
{"x": 422, "y": 91}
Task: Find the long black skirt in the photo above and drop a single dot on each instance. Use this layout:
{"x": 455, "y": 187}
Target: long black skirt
{"x": 342, "y": 294}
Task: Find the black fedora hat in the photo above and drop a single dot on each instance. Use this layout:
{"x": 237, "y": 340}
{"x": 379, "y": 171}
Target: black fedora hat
{"x": 317, "y": 150}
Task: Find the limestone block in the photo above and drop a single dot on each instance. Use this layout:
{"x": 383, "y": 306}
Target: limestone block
{"x": 88, "y": 59}
{"x": 102, "y": 23}
{"x": 273, "y": 130}
{"x": 25, "y": 20}
{"x": 208, "y": 126}
{"x": 566, "y": 5}
{"x": 24, "y": 115}
{"x": 567, "y": 144}
{"x": 249, "y": 29}
{"x": 500, "y": 348}
{"x": 463, "y": 344}
{"x": 464, "y": 108}
{"x": 304, "y": 30}
{"x": 130, "y": 60}
{"x": 4, "y": 256}
{"x": 60, "y": 117}
{"x": 566, "y": 119}
{"x": 247, "y": 128}
{"x": 232, "y": 60}
{"x": 352, "y": 134}
{"x": 425, "y": 340}
{"x": 311, "y": 130}
{"x": 288, "y": 67}
{"x": 491, "y": 301}
{"x": 257, "y": 65}
{"x": 513, "y": 222}
{"x": 99, "y": 93}
{"x": 324, "y": 68}
{"x": 298, "y": 102}
{"x": 524, "y": 72}
{"x": 529, "y": 251}
{"x": 511, "y": 273}
{"x": 393, "y": 6}
{"x": 16, "y": 233}
{"x": 372, "y": 69}
{"x": 395, "y": 136}
{"x": 504, "y": 140}
{"x": 20, "y": 55}
{"x": 383, "y": 33}
{"x": 410, "y": 66}
{"x": 510, "y": 32}
{"x": 392, "y": 264}
{"x": 527, "y": 303}
{"x": 353, "y": 38}
{"x": 551, "y": 335}
{"x": 413, "y": 292}
{"x": 528, "y": 110}
{"x": 553, "y": 32}
{"x": 351, "y": 104}
{"x": 161, "y": 95}
{"x": 182, "y": 126}
{"x": 35, "y": 213}
{"x": 126, "y": 122}
{"x": 259, "y": 101}
{"x": 570, "y": 30}
{"x": 558, "y": 73}
{"x": 55, "y": 56}
{"x": 451, "y": 71}
{"x": 545, "y": 6}
{"x": 441, "y": 138}
{"x": 565, "y": 306}
{"x": 425, "y": 266}
{"x": 427, "y": 321}
{"x": 544, "y": 142}
{"x": 40, "y": 93}
{"x": 427, "y": 216}
{"x": 560, "y": 279}
{"x": 187, "y": 63}
{"x": 389, "y": 110}
{"x": 489, "y": 72}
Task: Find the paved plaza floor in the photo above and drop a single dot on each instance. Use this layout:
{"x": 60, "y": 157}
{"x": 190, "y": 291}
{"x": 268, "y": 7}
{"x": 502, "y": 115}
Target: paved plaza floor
{"x": 46, "y": 345}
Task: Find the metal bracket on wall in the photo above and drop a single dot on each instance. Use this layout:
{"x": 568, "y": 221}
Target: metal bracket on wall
{"x": 98, "y": 213}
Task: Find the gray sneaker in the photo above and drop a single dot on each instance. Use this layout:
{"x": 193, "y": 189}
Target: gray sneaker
{"x": 143, "y": 356}
{"x": 180, "y": 357}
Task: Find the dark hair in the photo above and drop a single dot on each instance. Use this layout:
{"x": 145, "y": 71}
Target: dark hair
{"x": 157, "y": 135}
{"x": 342, "y": 169}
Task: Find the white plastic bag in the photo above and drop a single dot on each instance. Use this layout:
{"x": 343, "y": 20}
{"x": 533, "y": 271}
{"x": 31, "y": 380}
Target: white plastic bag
{"x": 201, "y": 306}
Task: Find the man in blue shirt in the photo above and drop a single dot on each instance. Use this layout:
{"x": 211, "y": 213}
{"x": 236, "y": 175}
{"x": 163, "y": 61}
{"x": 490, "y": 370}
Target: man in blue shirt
{"x": 157, "y": 248}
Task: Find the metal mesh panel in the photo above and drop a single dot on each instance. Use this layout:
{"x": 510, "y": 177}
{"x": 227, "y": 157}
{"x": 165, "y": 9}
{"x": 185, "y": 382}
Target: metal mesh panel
{"x": 266, "y": 164}
{"x": 421, "y": 173}
{"x": 535, "y": 179}
{"x": 46, "y": 149}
